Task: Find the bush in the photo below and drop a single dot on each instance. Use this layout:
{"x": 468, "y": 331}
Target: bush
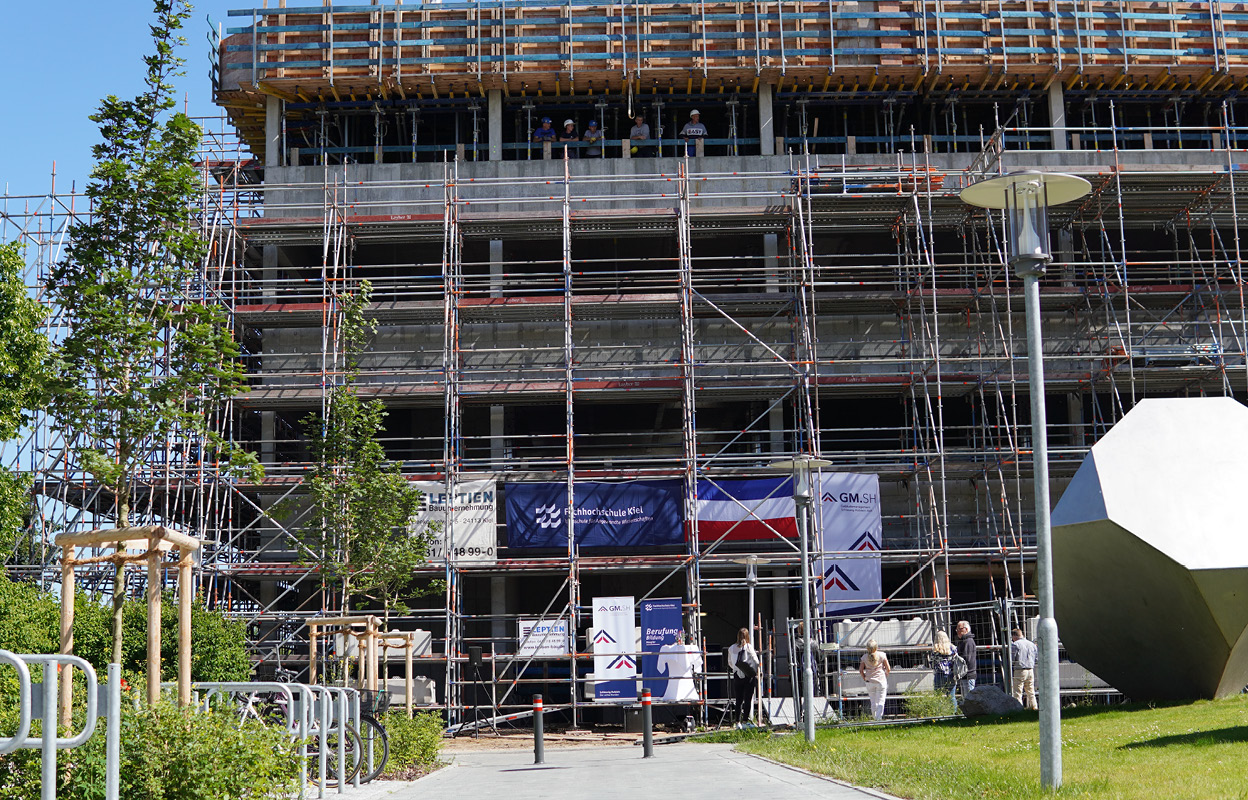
{"x": 168, "y": 753}
{"x": 30, "y": 623}
{"x": 414, "y": 742}
{"x": 930, "y": 704}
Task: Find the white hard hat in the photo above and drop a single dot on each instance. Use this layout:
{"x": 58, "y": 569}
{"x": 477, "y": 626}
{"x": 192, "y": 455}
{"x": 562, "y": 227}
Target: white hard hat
{"x": 568, "y": 122}
{"x": 695, "y": 112}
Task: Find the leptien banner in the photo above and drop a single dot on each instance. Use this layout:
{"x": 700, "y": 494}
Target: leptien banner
{"x": 661, "y": 625}
{"x": 473, "y": 533}
{"x": 852, "y": 526}
{"x": 614, "y": 641}
{"x": 627, "y": 514}
{"x": 538, "y": 638}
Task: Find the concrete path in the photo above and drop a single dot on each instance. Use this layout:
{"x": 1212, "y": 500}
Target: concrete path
{"x": 685, "y": 771}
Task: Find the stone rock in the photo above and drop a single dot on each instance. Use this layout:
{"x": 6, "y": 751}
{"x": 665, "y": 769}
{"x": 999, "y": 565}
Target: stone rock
{"x": 989, "y": 701}
{"x": 1150, "y": 552}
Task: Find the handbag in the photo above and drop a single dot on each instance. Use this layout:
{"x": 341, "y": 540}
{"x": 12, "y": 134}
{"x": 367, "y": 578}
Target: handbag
{"x": 744, "y": 667}
{"x": 958, "y": 667}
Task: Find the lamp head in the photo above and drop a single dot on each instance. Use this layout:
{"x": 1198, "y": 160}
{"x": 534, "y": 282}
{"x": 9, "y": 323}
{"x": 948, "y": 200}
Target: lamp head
{"x": 1025, "y": 197}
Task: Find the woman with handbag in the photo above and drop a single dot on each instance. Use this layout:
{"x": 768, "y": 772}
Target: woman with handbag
{"x": 743, "y": 661}
{"x": 942, "y": 664}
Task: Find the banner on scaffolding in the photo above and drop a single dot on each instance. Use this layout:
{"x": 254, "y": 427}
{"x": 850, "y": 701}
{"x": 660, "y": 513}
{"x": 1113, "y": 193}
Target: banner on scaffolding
{"x": 543, "y": 638}
{"x": 749, "y": 509}
{"x": 629, "y": 514}
{"x": 848, "y": 575}
{"x": 472, "y": 537}
{"x": 661, "y": 627}
{"x": 613, "y": 640}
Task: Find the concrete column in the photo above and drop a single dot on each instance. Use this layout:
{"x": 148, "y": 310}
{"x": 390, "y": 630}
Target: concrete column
{"x": 775, "y": 425}
{"x": 496, "y": 268}
{"x": 495, "y": 99}
{"x": 766, "y": 121}
{"x": 1057, "y": 115}
{"x": 498, "y": 448}
{"x": 498, "y": 605}
{"x": 272, "y": 131}
{"x": 771, "y": 261}
{"x": 779, "y": 620}
{"x": 1074, "y": 410}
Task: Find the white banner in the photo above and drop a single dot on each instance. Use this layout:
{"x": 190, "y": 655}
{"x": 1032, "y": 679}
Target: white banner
{"x": 614, "y": 640}
{"x": 475, "y": 520}
{"x": 852, "y": 527}
{"x": 543, "y": 639}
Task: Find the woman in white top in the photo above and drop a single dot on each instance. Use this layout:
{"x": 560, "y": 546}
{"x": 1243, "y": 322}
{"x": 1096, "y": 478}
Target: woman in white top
{"x": 874, "y": 669}
{"x": 744, "y": 663}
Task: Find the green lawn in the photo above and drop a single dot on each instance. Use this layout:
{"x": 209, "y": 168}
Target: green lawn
{"x": 1197, "y": 750}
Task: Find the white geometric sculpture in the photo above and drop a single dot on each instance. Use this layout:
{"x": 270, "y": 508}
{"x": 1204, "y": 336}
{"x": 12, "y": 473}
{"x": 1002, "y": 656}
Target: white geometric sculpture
{"x": 1150, "y": 552}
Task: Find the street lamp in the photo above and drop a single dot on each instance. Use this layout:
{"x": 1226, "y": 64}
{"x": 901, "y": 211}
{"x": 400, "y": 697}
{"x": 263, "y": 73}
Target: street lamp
{"x": 751, "y": 563}
{"x": 802, "y": 495}
{"x": 1025, "y": 197}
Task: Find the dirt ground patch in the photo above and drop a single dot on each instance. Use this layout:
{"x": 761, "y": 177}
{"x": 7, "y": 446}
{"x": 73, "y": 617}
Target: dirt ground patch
{"x": 590, "y": 736}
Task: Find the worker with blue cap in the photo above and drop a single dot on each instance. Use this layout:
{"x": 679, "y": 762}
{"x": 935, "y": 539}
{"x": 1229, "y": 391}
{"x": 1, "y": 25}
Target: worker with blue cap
{"x": 544, "y": 133}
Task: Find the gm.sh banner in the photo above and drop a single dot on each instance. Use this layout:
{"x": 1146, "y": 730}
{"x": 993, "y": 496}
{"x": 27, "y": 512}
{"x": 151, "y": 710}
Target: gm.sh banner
{"x": 472, "y": 537}
{"x": 849, "y": 574}
{"x": 613, "y": 640}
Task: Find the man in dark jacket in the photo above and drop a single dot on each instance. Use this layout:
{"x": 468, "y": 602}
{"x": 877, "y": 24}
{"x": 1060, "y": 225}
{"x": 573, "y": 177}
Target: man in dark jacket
{"x": 966, "y": 649}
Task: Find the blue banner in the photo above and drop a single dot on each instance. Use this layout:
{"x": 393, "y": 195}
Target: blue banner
{"x": 631, "y": 514}
{"x": 661, "y": 627}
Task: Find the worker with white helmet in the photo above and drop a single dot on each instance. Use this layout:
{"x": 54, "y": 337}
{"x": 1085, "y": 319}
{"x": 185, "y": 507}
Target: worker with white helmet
{"x": 694, "y": 129}
{"x": 569, "y": 134}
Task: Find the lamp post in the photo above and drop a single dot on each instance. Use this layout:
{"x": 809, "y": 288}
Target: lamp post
{"x": 1025, "y": 197}
{"x": 802, "y": 495}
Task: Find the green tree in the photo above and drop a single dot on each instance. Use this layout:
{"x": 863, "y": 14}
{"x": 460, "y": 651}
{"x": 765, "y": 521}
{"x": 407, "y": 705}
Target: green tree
{"x": 362, "y": 505}
{"x": 147, "y": 354}
{"x": 23, "y": 375}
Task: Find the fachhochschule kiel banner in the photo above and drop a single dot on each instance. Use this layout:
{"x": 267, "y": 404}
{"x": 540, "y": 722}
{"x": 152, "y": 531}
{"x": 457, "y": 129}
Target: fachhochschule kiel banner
{"x": 628, "y": 514}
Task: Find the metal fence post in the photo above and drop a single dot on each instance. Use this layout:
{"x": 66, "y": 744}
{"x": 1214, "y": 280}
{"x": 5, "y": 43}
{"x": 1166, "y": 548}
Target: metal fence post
{"x": 539, "y": 748}
{"x": 647, "y": 725}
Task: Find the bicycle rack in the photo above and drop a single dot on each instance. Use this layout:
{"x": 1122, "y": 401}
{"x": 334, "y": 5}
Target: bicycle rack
{"x": 326, "y": 706}
{"x": 40, "y": 701}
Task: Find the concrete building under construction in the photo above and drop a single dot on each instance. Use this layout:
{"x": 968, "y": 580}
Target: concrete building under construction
{"x": 801, "y": 278}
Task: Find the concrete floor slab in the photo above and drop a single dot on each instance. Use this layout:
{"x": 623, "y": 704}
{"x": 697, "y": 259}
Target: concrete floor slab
{"x": 690, "y": 771}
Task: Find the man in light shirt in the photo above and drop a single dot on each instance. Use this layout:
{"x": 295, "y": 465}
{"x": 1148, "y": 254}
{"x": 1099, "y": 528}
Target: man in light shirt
{"x": 1023, "y": 659}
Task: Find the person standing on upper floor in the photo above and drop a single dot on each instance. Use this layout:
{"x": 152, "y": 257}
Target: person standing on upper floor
{"x": 966, "y": 649}
{"x": 568, "y": 134}
{"x": 593, "y": 138}
{"x": 694, "y": 129}
{"x": 544, "y": 133}
{"x": 1023, "y": 664}
{"x": 640, "y": 132}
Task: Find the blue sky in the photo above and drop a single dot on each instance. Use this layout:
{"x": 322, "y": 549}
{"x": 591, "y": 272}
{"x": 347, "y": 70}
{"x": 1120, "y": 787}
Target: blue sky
{"x": 60, "y": 59}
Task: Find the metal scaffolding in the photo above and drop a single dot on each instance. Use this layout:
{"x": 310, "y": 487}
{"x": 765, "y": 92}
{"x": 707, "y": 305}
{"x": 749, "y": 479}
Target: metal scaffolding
{"x": 876, "y": 327}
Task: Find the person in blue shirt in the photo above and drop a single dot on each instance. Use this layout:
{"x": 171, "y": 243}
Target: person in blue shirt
{"x": 545, "y": 133}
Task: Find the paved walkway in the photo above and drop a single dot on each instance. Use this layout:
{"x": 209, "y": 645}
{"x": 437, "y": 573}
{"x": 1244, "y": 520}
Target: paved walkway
{"x": 687, "y": 771}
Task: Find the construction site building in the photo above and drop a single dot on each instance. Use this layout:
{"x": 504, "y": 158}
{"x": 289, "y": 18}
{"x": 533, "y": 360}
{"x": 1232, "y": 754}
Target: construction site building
{"x": 803, "y": 279}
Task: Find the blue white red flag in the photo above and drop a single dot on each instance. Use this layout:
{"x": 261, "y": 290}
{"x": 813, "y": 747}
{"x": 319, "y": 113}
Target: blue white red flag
{"x": 746, "y": 509}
